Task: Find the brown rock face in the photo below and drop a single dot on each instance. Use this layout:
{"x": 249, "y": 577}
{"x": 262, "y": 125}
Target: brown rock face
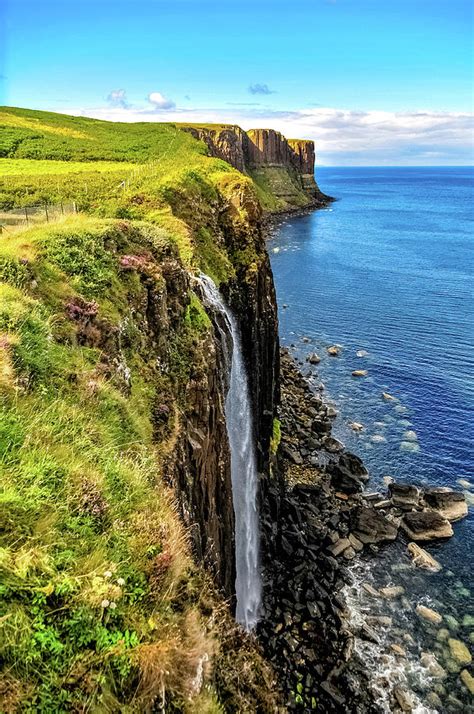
{"x": 303, "y": 155}
{"x": 227, "y": 144}
{"x": 261, "y": 149}
{"x": 202, "y": 466}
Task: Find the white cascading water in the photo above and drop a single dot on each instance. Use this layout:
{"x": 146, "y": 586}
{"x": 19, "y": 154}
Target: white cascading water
{"x": 238, "y": 412}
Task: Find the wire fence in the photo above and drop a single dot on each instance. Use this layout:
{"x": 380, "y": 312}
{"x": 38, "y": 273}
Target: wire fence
{"x": 32, "y": 215}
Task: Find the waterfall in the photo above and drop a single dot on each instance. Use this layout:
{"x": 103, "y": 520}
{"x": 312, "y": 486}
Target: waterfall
{"x": 238, "y": 412}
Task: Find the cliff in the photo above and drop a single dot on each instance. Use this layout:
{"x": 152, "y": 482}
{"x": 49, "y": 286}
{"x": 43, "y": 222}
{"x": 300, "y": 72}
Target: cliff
{"x": 113, "y": 385}
{"x": 282, "y": 169}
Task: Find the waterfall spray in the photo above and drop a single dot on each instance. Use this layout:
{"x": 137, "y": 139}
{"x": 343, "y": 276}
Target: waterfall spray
{"x": 238, "y": 412}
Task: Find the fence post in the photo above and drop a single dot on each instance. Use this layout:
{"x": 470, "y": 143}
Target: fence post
{"x": 46, "y": 210}
{"x": 26, "y": 216}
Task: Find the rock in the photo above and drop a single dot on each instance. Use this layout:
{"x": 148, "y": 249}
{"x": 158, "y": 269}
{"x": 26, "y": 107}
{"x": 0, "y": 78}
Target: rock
{"x": 422, "y": 558}
{"x": 459, "y": 651}
{"x": 313, "y": 358}
{"x": 465, "y": 483}
{"x": 334, "y": 350}
{"x": 434, "y": 701}
{"x": 360, "y": 373}
{"x": 355, "y": 542}
{"x": 292, "y": 455}
{"x": 378, "y": 439}
{"x": 392, "y": 592}
{"x": 428, "y": 614}
{"x": 442, "y": 635}
{"x": 388, "y": 397}
{"x": 356, "y": 426}
{"x": 412, "y": 446}
{"x": 362, "y": 353}
{"x": 333, "y": 445}
{"x": 426, "y": 525}
{"x": 398, "y": 650}
{"x": 403, "y": 495}
{"x": 403, "y": 699}
{"x": 429, "y": 661}
{"x": 468, "y": 680}
{"x": 349, "y": 553}
{"x": 348, "y": 474}
{"x": 370, "y": 526}
{"x": 370, "y": 590}
{"x": 365, "y": 632}
{"x": 451, "y": 504}
{"x": 382, "y": 504}
{"x": 339, "y": 546}
{"x": 410, "y": 435}
{"x": 451, "y": 622}
{"x": 313, "y": 610}
{"x": 379, "y": 621}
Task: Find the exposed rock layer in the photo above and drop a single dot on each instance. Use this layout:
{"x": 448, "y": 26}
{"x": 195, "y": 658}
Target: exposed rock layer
{"x": 262, "y": 149}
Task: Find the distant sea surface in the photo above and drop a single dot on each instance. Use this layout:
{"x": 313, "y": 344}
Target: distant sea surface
{"x": 388, "y": 269}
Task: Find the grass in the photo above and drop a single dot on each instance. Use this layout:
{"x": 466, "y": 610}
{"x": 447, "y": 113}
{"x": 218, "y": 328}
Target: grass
{"x": 32, "y": 167}
{"x": 102, "y": 607}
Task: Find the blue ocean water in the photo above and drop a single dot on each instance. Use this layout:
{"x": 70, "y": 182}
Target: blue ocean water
{"x": 388, "y": 269}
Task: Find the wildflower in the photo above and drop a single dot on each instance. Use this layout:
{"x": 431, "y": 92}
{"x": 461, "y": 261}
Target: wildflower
{"x": 120, "y": 581}
{"x": 113, "y": 605}
{"x": 107, "y": 574}
{"x": 105, "y": 603}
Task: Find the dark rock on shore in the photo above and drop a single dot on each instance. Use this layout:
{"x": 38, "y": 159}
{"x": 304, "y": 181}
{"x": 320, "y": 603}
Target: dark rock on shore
{"x": 426, "y": 525}
{"x": 450, "y": 504}
{"x": 349, "y": 473}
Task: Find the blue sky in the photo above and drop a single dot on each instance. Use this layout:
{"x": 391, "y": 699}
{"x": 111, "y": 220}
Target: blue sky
{"x": 372, "y": 81}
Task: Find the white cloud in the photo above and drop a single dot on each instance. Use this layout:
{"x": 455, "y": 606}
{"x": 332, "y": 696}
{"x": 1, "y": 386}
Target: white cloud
{"x": 118, "y": 98}
{"x": 342, "y": 136}
{"x": 160, "y": 101}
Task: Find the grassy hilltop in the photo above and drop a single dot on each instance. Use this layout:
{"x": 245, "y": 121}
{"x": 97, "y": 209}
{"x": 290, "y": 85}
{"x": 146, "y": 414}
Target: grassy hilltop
{"x": 102, "y": 608}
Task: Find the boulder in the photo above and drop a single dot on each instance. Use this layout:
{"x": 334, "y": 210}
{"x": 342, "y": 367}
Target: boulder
{"x": 403, "y": 495}
{"x": 426, "y": 525}
{"x": 313, "y": 358}
{"x": 348, "y": 474}
{"x": 422, "y": 558}
{"x": 339, "y": 546}
{"x": 403, "y": 699}
{"x": 451, "y": 504}
{"x": 428, "y": 614}
{"x": 459, "y": 651}
{"x": 360, "y": 373}
{"x": 468, "y": 680}
{"x": 356, "y": 426}
{"x": 392, "y": 592}
{"x": 332, "y": 445}
{"x": 388, "y": 397}
{"x": 333, "y": 350}
{"x": 370, "y": 526}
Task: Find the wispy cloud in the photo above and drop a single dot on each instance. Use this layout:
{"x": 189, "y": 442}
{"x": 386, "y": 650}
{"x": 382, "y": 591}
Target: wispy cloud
{"x": 260, "y": 89}
{"x": 160, "y": 102}
{"x": 118, "y": 98}
{"x": 342, "y": 136}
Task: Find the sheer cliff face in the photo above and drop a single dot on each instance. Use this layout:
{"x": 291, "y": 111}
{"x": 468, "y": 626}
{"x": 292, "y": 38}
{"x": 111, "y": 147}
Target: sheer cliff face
{"x": 263, "y": 152}
{"x": 199, "y": 466}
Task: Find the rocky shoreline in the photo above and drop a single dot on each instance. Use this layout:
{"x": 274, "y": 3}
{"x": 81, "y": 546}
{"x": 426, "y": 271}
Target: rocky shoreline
{"x": 316, "y": 519}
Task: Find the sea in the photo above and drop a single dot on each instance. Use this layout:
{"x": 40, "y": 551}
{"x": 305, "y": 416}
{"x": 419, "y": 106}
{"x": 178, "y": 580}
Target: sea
{"x": 386, "y": 273}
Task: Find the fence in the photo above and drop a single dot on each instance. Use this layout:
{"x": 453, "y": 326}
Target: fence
{"x": 31, "y": 215}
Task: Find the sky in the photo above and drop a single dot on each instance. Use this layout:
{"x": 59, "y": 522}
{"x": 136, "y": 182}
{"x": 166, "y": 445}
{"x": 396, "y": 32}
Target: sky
{"x": 373, "y": 82}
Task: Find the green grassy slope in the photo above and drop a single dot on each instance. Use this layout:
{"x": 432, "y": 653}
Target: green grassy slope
{"x": 101, "y": 606}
